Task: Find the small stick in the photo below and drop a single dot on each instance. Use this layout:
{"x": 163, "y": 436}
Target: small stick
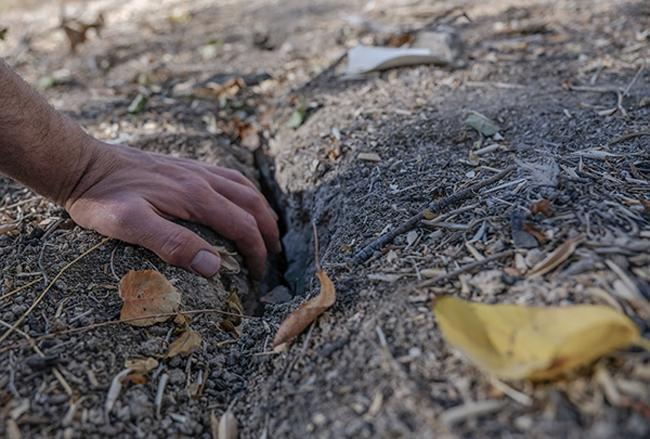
{"x": 628, "y": 136}
{"x": 20, "y": 288}
{"x": 434, "y": 207}
{"x": 465, "y": 268}
{"x": 49, "y": 286}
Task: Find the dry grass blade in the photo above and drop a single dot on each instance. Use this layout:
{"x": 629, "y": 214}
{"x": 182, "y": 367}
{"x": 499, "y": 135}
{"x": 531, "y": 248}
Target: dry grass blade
{"x": 306, "y": 313}
{"x": 552, "y": 261}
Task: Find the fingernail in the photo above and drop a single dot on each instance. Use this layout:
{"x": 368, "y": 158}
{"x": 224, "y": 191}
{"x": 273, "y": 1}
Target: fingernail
{"x": 206, "y": 263}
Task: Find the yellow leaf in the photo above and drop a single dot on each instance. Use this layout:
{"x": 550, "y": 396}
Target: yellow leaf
{"x": 516, "y": 341}
{"x": 186, "y": 343}
{"x": 306, "y": 313}
{"x": 147, "y": 294}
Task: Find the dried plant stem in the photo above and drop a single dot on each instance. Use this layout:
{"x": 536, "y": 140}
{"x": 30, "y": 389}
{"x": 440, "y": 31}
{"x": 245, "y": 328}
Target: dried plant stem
{"x": 434, "y": 207}
{"x": 20, "y": 288}
{"x": 40, "y": 297}
{"x": 465, "y": 268}
{"x": 629, "y": 136}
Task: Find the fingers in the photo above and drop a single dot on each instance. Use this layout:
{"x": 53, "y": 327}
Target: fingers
{"x": 255, "y": 204}
{"x": 173, "y": 243}
{"x": 238, "y": 225}
{"x": 238, "y": 177}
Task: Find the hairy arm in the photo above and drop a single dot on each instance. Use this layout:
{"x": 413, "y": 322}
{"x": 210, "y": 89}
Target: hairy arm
{"x": 39, "y": 146}
{"x": 129, "y": 194}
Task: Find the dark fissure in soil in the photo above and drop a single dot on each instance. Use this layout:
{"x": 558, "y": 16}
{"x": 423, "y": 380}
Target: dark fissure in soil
{"x": 286, "y": 269}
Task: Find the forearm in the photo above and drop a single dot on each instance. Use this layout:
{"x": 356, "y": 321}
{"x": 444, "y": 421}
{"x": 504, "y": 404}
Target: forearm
{"x": 39, "y": 146}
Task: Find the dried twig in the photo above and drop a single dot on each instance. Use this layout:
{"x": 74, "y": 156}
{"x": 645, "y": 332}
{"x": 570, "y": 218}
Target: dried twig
{"x": 628, "y": 136}
{"x": 49, "y": 286}
{"x": 19, "y": 289}
{"x": 465, "y": 268}
{"x": 434, "y": 207}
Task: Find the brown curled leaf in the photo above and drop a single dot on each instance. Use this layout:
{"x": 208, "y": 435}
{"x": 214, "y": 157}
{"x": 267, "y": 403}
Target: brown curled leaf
{"x": 306, "y": 313}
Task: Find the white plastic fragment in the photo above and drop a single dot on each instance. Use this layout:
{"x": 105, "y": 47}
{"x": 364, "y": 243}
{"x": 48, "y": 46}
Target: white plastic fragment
{"x": 441, "y": 47}
{"x": 114, "y": 391}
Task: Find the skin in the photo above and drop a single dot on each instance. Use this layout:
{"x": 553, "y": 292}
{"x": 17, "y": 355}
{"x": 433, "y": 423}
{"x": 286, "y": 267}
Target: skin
{"x": 128, "y": 194}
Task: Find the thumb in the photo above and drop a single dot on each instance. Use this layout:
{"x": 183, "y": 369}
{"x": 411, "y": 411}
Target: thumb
{"x": 178, "y": 246}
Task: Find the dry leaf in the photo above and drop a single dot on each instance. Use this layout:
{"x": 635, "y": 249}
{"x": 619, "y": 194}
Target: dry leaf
{"x": 135, "y": 378}
{"x": 228, "y": 426}
{"x": 482, "y": 124}
{"x": 536, "y": 233}
{"x": 552, "y": 261}
{"x": 307, "y": 312}
{"x": 228, "y": 262}
{"x": 230, "y": 328}
{"x": 182, "y": 319}
{"x": 516, "y": 341}
{"x": 186, "y": 343}
{"x": 6, "y": 228}
{"x": 400, "y": 39}
{"x": 141, "y": 365}
{"x": 146, "y": 294}
{"x": 249, "y": 137}
{"x": 545, "y": 207}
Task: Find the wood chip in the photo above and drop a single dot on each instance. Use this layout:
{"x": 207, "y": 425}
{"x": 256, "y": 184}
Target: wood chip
{"x": 369, "y": 157}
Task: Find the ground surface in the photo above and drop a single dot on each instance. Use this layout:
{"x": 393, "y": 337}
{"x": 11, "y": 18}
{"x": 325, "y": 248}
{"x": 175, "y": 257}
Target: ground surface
{"x": 375, "y": 365}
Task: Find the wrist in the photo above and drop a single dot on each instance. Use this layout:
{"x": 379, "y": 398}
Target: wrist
{"x": 95, "y": 160}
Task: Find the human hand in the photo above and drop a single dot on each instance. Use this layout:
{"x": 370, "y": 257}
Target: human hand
{"x": 132, "y": 195}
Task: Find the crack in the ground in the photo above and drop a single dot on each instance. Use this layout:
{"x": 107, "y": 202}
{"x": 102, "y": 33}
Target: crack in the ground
{"x": 287, "y": 269}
